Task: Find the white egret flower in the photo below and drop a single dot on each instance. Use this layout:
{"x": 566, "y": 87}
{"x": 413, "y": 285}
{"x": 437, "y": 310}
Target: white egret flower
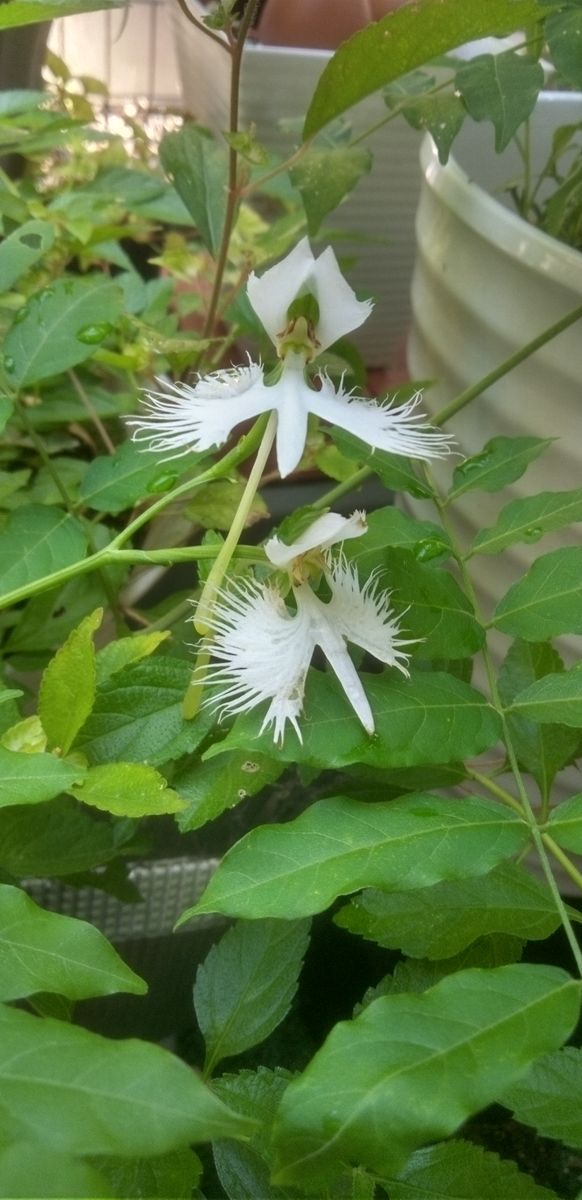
{"x": 263, "y": 649}
{"x": 305, "y": 305}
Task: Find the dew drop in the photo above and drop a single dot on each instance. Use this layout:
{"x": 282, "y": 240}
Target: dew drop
{"x": 163, "y": 483}
{"x": 92, "y": 335}
{"x": 9, "y": 364}
{"x": 429, "y": 548}
{"x": 46, "y": 295}
{"x": 21, "y": 314}
{"x": 533, "y": 533}
{"x": 474, "y": 464}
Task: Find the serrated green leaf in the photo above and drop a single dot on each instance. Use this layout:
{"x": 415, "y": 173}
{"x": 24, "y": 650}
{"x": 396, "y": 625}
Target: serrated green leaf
{"x": 210, "y": 788}
{"x": 172, "y": 1175}
{"x": 441, "y": 921}
{"x": 68, "y": 686}
{"x": 555, "y": 699}
{"x": 547, "y": 600}
{"x": 564, "y": 35}
{"x": 114, "y": 482}
{"x": 66, "y": 839}
{"x": 127, "y": 790}
{"x": 244, "y": 1170}
{"x": 502, "y": 461}
{"x": 419, "y": 1066}
{"x": 80, "y": 1093}
{"x": 339, "y": 846}
{"x": 528, "y": 519}
{"x": 565, "y": 824}
{"x": 29, "y": 1169}
{"x": 34, "y": 778}
{"x": 245, "y": 986}
{"x": 50, "y": 335}
{"x": 197, "y": 166}
{"x": 501, "y": 88}
{"x": 541, "y": 749}
{"x": 36, "y": 540}
{"x": 124, "y": 651}
{"x": 46, "y": 952}
{"x": 456, "y": 1169}
{"x": 428, "y": 718}
{"x": 550, "y": 1096}
{"x": 23, "y": 248}
{"x": 395, "y": 471}
{"x": 29, "y": 12}
{"x": 137, "y": 716}
{"x": 324, "y": 177}
{"x": 406, "y": 39}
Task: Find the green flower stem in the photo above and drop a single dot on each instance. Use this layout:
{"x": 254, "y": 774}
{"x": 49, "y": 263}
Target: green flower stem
{"x": 215, "y": 37}
{"x": 218, "y": 571}
{"x": 563, "y": 859}
{"x": 343, "y": 488}
{"x": 181, "y": 554}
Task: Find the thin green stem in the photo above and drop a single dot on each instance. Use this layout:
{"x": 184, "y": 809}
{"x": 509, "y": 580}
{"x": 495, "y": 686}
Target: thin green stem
{"x": 343, "y": 488}
{"x": 501, "y": 793}
{"x": 215, "y": 37}
{"x": 255, "y": 185}
{"x": 563, "y": 859}
{"x": 406, "y": 102}
{"x": 91, "y": 411}
{"x": 180, "y": 554}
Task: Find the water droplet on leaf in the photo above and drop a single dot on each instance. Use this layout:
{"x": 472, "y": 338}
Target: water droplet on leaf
{"x": 92, "y": 335}
{"x": 9, "y": 364}
{"x": 429, "y": 548}
{"x": 533, "y": 533}
{"x": 163, "y": 482}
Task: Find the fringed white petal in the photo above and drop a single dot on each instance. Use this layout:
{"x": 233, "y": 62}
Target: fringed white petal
{"x": 363, "y": 615}
{"x": 399, "y": 429}
{"x": 327, "y": 634}
{"x": 326, "y": 531}
{"x": 263, "y": 652}
{"x": 180, "y": 418}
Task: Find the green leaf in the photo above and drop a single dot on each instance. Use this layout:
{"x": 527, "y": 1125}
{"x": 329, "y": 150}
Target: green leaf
{"x": 502, "y": 461}
{"x": 45, "y": 952}
{"x": 80, "y": 1093}
{"x": 428, "y": 718}
{"x": 565, "y": 824}
{"x": 324, "y": 177}
{"x": 114, "y": 482}
{"x": 22, "y": 249}
{"x": 36, "y": 540}
{"x": 339, "y": 846}
{"x": 172, "y": 1175}
{"x": 547, "y": 600}
{"x": 244, "y": 1169}
{"x": 403, "y": 40}
{"x": 528, "y": 519}
{"x": 419, "y": 974}
{"x": 55, "y": 330}
{"x": 420, "y": 1066}
{"x": 441, "y": 921}
{"x": 390, "y": 527}
{"x": 550, "y": 1097}
{"x": 456, "y": 1168}
{"x": 28, "y": 1169}
{"x": 127, "y": 789}
{"x": 440, "y": 115}
{"x": 541, "y": 749}
{"x": 244, "y": 988}
{"x": 68, "y": 685}
{"x": 209, "y": 788}
{"x": 197, "y": 166}
{"x": 436, "y": 612}
{"x": 395, "y": 471}
{"x": 564, "y": 36}
{"x": 6, "y": 410}
{"x": 555, "y": 698}
{"x": 29, "y": 12}
{"x": 125, "y": 651}
{"x": 66, "y": 839}
{"x": 137, "y": 716}
{"x": 501, "y": 88}
{"x": 34, "y": 778}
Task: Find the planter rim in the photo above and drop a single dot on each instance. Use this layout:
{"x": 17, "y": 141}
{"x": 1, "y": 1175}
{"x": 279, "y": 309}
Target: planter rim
{"x": 482, "y": 212}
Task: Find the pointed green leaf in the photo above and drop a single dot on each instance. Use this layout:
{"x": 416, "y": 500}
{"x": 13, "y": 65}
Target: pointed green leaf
{"x": 244, "y": 1169}
{"x": 406, "y": 39}
{"x": 501, "y": 88}
{"x": 555, "y": 698}
{"x": 124, "y": 651}
{"x": 80, "y": 1093}
{"x": 541, "y": 749}
{"x": 52, "y": 333}
{"x": 127, "y": 790}
{"x": 565, "y": 824}
{"x": 324, "y": 176}
{"x": 67, "y": 689}
{"x": 440, "y": 115}
{"x": 391, "y": 528}
{"x": 172, "y": 1175}
{"x": 29, "y": 1169}
{"x": 547, "y": 600}
{"x": 502, "y": 461}
{"x": 36, "y": 540}
{"x": 550, "y": 1097}
{"x": 428, "y": 718}
{"x": 245, "y": 986}
{"x": 23, "y": 248}
{"x": 197, "y": 166}
{"x": 419, "y": 1066}
{"x": 66, "y": 839}
{"x": 29, "y": 12}
{"x": 114, "y": 482}
{"x": 34, "y": 778}
{"x": 441, "y": 921}
{"x": 420, "y": 974}
{"x": 45, "y": 952}
{"x": 339, "y": 846}
{"x": 564, "y": 34}
{"x": 210, "y": 788}
{"x": 456, "y": 1168}
{"x": 527, "y": 520}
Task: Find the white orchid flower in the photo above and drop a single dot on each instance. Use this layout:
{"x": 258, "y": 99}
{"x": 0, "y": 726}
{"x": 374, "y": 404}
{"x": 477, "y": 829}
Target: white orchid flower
{"x": 263, "y": 649}
{"x": 305, "y": 305}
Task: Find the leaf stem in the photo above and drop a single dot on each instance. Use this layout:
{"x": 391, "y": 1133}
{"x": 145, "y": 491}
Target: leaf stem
{"x": 215, "y": 37}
